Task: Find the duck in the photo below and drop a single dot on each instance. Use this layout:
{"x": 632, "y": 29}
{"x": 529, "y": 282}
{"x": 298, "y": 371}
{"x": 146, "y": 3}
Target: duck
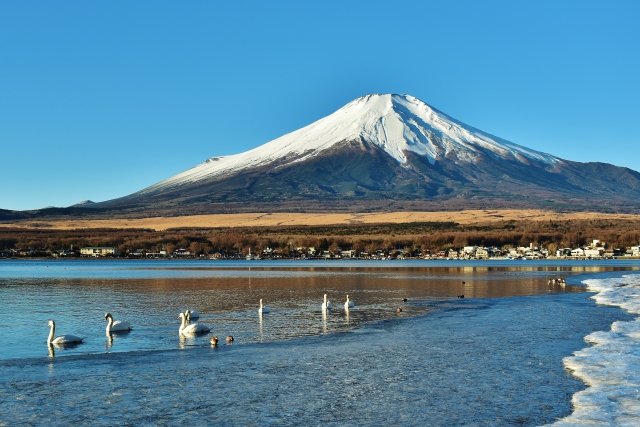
{"x": 191, "y": 315}
{"x": 348, "y": 304}
{"x": 214, "y": 340}
{"x": 230, "y": 338}
{"x": 62, "y": 339}
{"x": 117, "y": 326}
{"x": 193, "y": 328}
{"x": 326, "y": 305}
{"x": 263, "y": 309}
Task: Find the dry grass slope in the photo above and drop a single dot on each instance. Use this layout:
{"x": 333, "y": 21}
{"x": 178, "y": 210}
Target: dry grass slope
{"x": 245, "y": 220}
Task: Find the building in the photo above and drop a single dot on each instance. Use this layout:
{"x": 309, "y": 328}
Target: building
{"x": 349, "y": 254}
{"x": 98, "y": 251}
{"x": 482, "y": 253}
{"x": 23, "y": 252}
{"x": 64, "y": 253}
{"x": 470, "y": 251}
{"x": 578, "y": 252}
{"x": 453, "y": 254}
{"x": 183, "y": 253}
{"x": 594, "y": 253}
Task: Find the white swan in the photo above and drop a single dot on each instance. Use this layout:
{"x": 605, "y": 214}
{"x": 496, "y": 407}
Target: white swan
{"x": 117, "y": 326}
{"x": 62, "y": 339}
{"x": 326, "y": 305}
{"x": 348, "y": 304}
{"x": 263, "y": 309}
{"x": 191, "y": 315}
{"x": 193, "y": 328}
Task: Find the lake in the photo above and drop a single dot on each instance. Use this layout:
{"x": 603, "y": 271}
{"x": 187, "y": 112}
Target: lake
{"x": 495, "y": 357}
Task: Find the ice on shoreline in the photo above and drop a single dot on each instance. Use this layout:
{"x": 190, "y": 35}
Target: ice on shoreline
{"x": 611, "y": 366}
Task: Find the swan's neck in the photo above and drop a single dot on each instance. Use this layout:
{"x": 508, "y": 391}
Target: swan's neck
{"x": 184, "y": 322}
{"x": 109, "y": 323}
{"x": 260, "y": 304}
{"x": 51, "y": 333}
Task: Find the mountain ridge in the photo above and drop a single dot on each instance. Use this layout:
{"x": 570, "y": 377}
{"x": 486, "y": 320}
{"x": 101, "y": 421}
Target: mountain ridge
{"x": 376, "y": 119}
{"x": 387, "y": 148}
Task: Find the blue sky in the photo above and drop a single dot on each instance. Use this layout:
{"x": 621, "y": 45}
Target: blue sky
{"x": 101, "y": 99}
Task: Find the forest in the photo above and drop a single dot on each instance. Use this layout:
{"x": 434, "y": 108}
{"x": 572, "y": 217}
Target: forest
{"x": 426, "y": 236}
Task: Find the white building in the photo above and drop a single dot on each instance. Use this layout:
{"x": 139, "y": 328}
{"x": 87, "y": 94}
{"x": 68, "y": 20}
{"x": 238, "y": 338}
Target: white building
{"x": 577, "y": 252}
{"x": 593, "y": 253}
{"x": 98, "y": 251}
{"x": 348, "y": 254}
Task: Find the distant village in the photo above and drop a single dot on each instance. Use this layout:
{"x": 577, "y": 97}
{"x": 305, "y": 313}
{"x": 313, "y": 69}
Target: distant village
{"x": 595, "y": 250}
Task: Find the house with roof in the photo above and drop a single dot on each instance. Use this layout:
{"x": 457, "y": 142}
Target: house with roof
{"x": 99, "y": 251}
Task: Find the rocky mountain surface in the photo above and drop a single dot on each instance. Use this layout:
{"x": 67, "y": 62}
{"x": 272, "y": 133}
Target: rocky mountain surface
{"x": 385, "y": 152}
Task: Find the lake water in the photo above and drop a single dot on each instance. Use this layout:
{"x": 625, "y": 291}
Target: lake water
{"x": 503, "y": 355}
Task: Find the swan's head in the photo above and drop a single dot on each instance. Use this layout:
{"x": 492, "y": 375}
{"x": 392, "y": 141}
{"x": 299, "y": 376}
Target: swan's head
{"x": 50, "y": 324}
{"x": 107, "y": 316}
{"x": 181, "y": 316}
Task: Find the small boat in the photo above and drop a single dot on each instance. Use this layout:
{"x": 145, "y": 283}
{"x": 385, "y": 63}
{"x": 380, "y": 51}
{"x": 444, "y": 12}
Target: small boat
{"x": 249, "y": 256}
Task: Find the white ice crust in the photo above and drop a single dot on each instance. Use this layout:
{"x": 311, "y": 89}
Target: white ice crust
{"x": 395, "y": 123}
{"x": 611, "y": 366}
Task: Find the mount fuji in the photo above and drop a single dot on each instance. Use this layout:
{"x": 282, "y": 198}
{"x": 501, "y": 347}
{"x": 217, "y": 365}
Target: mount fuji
{"x": 387, "y": 151}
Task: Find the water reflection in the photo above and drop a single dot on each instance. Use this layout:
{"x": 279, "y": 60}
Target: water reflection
{"x": 62, "y": 346}
{"x": 183, "y": 341}
{"x": 117, "y": 335}
{"x": 325, "y": 314}
{"x": 226, "y": 299}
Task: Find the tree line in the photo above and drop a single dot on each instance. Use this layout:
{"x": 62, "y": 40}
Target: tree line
{"x": 431, "y": 237}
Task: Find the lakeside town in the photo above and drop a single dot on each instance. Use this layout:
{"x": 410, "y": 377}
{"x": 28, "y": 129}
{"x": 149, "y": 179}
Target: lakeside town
{"x": 594, "y": 250}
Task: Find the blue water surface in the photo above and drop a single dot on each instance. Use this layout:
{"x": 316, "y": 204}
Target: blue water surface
{"x": 442, "y": 361}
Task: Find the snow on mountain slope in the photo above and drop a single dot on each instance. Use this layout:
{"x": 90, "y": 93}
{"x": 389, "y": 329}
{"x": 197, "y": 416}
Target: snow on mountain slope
{"x": 395, "y": 123}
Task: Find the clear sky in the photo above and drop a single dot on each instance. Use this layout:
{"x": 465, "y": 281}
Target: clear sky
{"x": 100, "y": 99}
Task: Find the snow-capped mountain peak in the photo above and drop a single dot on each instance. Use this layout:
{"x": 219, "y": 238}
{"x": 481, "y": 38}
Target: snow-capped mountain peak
{"x": 395, "y": 123}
